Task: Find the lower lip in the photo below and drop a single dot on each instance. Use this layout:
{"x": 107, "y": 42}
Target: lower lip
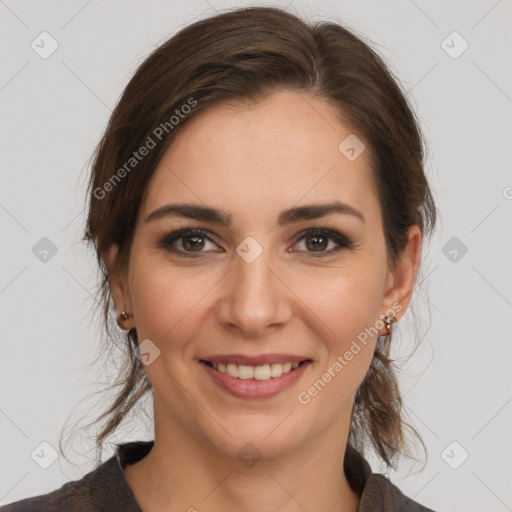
{"x": 253, "y": 388}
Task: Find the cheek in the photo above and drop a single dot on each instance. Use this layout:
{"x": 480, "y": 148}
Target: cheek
{"x": 168, "y": 303}
{"x": 346, "y": 300}
{"x": 346, "y": 305}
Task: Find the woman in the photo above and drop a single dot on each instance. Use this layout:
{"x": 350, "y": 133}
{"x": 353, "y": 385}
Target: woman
{"x": 258, "y": 204}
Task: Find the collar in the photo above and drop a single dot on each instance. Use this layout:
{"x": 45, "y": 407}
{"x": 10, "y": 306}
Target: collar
{"x": 377, "y": 493}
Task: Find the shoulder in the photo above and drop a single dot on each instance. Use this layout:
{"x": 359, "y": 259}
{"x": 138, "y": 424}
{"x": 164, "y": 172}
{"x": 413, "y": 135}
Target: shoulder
{"x": 377, "y": 493}
{"x": 65, "y": 498}
{"x": 381, "y": 494}
{"x": 99, "y": 490}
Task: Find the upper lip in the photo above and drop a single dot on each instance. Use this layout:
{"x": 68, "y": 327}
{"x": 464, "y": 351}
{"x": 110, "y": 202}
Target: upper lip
{"x": 255, "y": 360}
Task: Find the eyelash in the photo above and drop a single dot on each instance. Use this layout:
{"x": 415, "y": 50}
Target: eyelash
{"x": 341, "y": 240}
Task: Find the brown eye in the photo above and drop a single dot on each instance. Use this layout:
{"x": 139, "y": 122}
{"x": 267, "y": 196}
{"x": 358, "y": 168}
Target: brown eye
{"x": 192, "y": 242}
{"x": 187, "y": 241}
{"x": 317, "y": 242}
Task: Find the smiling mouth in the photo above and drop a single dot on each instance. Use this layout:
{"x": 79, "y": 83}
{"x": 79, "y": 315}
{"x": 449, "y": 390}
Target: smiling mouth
{"x": 261, "y": 372}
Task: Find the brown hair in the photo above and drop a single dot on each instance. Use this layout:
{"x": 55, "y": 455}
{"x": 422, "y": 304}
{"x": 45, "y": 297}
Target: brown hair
{"x": 244, "y": 55}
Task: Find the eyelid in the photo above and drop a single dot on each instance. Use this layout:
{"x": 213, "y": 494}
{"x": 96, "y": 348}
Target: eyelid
{"x": 342, "y": 241}
{"x": 174, "y": 235}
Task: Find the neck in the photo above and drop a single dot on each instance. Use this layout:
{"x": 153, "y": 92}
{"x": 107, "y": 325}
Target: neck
{"x": 184, "y": 473}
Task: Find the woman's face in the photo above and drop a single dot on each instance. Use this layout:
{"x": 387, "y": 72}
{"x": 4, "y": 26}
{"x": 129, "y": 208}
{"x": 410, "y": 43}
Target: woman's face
{"x": 260, "y": 284}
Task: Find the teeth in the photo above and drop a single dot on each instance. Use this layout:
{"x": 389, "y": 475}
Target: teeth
{"x": 263, "y": 372}
{"x": 245, "y": 372}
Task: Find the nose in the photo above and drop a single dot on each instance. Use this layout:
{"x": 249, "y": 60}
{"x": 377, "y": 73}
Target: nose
{"x": 255, "y": 299}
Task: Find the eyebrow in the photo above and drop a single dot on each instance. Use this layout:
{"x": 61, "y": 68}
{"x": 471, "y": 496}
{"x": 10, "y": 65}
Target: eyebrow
{"x": 290, "y": 216}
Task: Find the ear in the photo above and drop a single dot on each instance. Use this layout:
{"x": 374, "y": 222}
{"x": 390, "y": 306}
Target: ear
{"x": 119, "y": 289}
{"x": 401, "y": 278}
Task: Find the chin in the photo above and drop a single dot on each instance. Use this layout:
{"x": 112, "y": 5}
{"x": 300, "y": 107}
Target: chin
{"x": 256, "y": 437}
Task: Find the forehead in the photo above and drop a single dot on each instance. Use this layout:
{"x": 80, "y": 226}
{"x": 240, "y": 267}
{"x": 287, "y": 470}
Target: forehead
{"x": 279, "y": 152}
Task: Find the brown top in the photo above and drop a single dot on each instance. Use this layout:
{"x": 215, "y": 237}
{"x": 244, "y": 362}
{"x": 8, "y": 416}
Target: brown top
{"x": 105, "y": 489}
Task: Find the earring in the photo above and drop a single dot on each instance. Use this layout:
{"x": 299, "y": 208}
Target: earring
{"x": 389, "y": 320}
{"x": 125, "y": 316}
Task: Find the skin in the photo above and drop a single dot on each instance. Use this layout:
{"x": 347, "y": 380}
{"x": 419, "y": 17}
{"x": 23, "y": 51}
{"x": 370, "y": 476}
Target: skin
{"x": 255, "y": 161}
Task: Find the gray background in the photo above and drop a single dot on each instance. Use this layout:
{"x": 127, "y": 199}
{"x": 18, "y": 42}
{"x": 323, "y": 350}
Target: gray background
{"x": 457, "y": 385}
